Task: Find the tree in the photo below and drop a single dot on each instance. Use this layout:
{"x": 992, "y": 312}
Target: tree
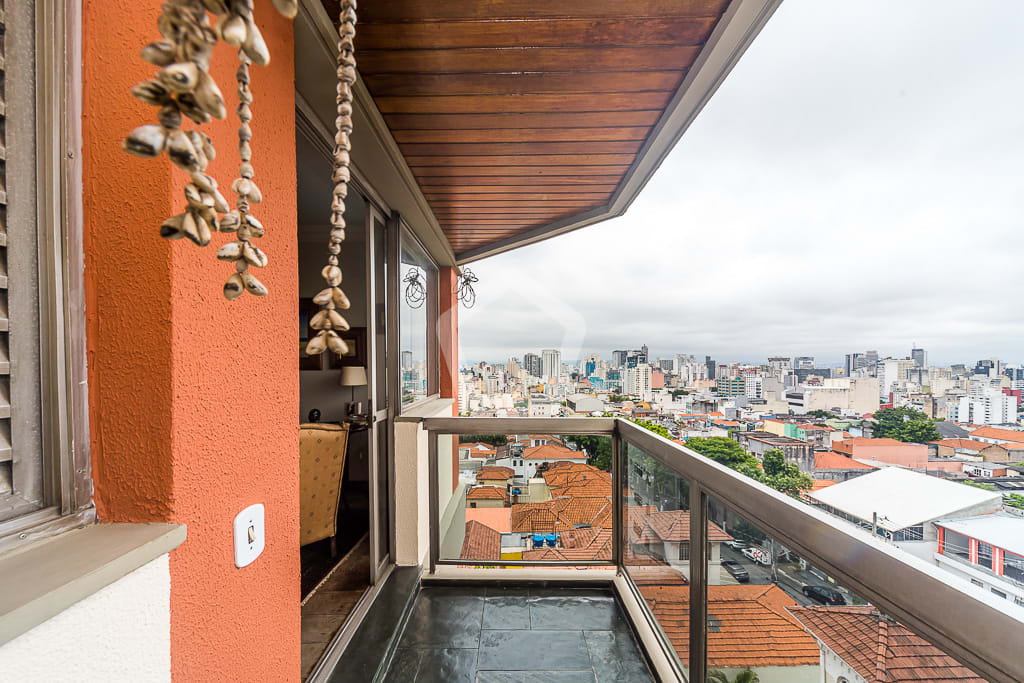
{"x": 489, "y": 439}
{"x": 721, "y": 449}
{"x": 598, "y": 449}
{"x": 745, "y": 676}
{"x": 774, "y": 462}
{"x": 904, "y": 424}
{"x": 820, "y": 414}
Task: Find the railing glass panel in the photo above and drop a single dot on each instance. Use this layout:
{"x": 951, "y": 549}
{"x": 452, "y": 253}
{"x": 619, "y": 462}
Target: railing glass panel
{"x": 772, "y": 613}
{"x": 519, "y": 498}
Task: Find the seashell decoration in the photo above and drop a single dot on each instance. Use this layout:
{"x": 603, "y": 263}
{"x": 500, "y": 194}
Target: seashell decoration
{"x": 328, "y": 320}
{"x": 183, "y": 88}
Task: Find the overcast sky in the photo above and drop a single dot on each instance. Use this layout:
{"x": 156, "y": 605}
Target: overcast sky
{"x": 856, "y": 183}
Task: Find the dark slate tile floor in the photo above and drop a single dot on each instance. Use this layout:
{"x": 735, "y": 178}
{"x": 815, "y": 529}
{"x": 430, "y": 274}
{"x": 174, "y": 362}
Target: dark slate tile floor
{"x": 496, "y": 634}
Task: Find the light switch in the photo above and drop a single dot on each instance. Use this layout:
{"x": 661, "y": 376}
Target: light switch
{"x": 249, "y": 535}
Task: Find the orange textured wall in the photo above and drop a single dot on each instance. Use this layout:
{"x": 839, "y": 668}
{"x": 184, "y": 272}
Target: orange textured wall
{"x": 194, "y": 399}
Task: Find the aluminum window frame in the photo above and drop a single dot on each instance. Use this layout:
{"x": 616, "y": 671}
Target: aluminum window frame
{"x": 63, "y": 452}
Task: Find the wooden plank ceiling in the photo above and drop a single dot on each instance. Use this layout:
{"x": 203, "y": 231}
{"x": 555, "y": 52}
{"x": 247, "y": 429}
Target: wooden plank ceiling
{"x": 514, "y": 114}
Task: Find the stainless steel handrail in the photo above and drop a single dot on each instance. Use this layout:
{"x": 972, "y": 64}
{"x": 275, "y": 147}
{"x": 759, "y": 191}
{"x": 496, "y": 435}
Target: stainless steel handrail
{"x": 952, "y": 614}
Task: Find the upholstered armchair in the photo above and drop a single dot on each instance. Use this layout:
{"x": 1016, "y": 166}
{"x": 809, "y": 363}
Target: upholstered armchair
{"x": 322, "y": 450}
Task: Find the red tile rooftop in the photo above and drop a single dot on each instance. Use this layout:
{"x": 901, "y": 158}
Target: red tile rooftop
{"x": 960, "y": 443}
{"x": 751, "y": 627}
{"x": 880, "y": 649}
{"x": 827, "y": 460}
{"x": 494, "y": 473}
{"x": 487, "y": 493}
{"x": 997, "y": 433}
{"x": 481, "y": 542}
{"x": 552, "y": 451}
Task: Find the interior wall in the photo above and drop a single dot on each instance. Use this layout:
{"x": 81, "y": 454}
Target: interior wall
{"x": 193, "y": 398}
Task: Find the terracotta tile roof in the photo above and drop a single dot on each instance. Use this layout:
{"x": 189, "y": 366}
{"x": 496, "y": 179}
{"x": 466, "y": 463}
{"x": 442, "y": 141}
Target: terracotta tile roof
{"x": 996, "y": 433}
{"x": 819, "y": 484}
{"x": 562, "y": 514}
{"x": 562, "y": 475}
{"x": 552, "y": 451}
{"x": 494, "y": 472}
{"x": 478, "y": 447}
{"x": 655, "y": 573}
{"x": 480, "y": 543}
{"x": 487, "y": 493}
{"x": 828, "y": 460}
{"x": 961, "y": 443}
{"x": 673, "y": 526}
{"x": 748, "y": 626}
{"x": 880, "y": 649}
{"x": 598, "y": 546}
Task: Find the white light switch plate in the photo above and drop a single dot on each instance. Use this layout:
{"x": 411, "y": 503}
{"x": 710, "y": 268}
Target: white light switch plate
{"x": 249, "y": 535}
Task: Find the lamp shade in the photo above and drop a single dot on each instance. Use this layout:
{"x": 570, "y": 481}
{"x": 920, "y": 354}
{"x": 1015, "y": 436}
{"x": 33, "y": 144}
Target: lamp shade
{"x": 353, "y": 376}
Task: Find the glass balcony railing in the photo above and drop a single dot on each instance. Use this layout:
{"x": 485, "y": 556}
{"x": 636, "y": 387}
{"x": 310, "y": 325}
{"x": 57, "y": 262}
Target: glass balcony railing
{"x": 730, "y": 576}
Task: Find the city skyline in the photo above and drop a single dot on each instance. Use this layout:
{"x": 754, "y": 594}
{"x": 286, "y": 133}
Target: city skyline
{"x": 827, "y": 199}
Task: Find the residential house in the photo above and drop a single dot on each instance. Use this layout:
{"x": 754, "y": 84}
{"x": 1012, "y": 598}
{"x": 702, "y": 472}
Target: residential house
{"x": 531, "y": 458}
{"x": 884, "y": 452}
{"x": 666, "y": 536}
{"x": 1007, "y": 452}
{"x": 487, "y": 497}
{"x": 800, "y": 453}
{"x": 837, "y": 467}
{"x": 961, "y": 448}
{"x": 996, "y": 435}
{"x": 860, "y": 645}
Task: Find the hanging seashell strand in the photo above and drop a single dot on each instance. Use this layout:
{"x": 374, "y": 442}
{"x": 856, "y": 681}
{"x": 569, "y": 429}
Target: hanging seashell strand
{"x": 328, "y": 320}
{"x": 183, "y": 87}
{"x": 240, "y": 221}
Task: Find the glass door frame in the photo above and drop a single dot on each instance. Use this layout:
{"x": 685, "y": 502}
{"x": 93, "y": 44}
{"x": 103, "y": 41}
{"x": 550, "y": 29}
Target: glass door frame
{"x": 380, "y": 270}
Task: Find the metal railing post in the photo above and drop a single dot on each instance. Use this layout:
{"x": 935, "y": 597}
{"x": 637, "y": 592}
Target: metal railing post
{"x": 618, "y": 532}
{"x": 435, "y": 531}
{"x": 698, "y": 582}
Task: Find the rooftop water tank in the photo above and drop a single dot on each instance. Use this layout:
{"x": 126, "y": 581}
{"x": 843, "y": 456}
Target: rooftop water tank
{"x": 538, "y": 540}
{"x": 551, "y": 539}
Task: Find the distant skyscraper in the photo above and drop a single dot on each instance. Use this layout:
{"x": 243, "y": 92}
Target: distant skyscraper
{"x": 532, "y": 364}
{"x": 803, "y": 362}
{"x": 920, "y": 357}
{"x": 619, "y": 358}
{"x": 853, "y": 361}
{"x": 709, "y": 362}
{"x": 407, "y": 360}
{"x": 551, "y": 363}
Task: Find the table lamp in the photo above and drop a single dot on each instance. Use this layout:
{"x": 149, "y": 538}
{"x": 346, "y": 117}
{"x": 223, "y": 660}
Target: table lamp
{"x": 353, "y": 376}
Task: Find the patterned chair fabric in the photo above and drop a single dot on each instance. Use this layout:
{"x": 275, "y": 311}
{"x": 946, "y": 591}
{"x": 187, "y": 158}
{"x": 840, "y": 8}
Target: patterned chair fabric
{"x": 321, "y": 463}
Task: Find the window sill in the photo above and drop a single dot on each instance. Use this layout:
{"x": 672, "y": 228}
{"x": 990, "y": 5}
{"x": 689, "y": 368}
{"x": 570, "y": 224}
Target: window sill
{"x": 56, "y": 573}
{"x": 429, "y": 407}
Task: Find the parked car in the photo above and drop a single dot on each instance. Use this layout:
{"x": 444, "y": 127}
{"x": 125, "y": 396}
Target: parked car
{"x": 758, "y": 555}
{"x": 824, "y": 595}
{"x": 737, "y": 570}
{"x": 737, "y": 544}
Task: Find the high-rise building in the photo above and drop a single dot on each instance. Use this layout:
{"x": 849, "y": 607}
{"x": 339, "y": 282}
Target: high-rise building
{"x": 731, "y": 386}
{"x": 780, "y": 366}
{"x": 513, "y": 367}
{"x": 407, "y": 360}
{"x": 854, "y": 361}
{"x": 550, "y": 363}
{"x": 987, "y": 406}
{"x": 709, "y": 362}
{"x": 803, "y": 363}
{"x": 619, "y": 358}
{"x": 532, "y": 364}
{"x": 920, "y": 357}
{"x": 637, "y": 380}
